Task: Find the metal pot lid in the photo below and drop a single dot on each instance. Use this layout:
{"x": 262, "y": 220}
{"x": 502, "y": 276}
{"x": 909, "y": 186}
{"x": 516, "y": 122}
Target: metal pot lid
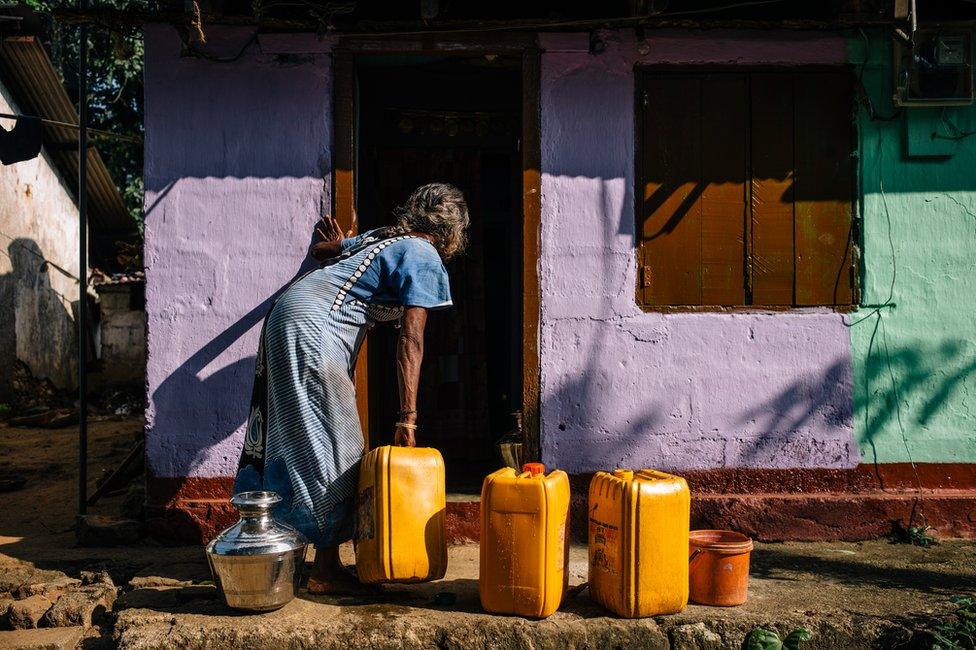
{"x": 257, "y": 500}
{"x": 257, "y": 532}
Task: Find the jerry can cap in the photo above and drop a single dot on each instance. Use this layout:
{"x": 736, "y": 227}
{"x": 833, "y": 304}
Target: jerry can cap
{"x": 534, "y": 468}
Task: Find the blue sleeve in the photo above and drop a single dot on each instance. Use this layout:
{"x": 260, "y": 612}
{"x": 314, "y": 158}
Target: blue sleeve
{"x": 421, "y": 282}
{"x": 349, "y": 242}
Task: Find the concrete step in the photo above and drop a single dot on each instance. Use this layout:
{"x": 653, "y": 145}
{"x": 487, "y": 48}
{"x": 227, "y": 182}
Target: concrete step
{"x": 849, "y": 595}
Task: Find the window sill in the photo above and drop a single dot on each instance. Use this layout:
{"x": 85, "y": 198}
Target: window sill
{"x": 745, "y": 309}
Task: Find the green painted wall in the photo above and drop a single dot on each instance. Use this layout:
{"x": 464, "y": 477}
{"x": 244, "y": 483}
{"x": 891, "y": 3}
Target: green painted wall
{"x": 914, "y": 338}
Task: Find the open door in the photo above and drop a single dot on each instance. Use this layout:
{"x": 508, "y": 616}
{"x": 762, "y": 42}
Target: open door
{"x": 410, "y": 120}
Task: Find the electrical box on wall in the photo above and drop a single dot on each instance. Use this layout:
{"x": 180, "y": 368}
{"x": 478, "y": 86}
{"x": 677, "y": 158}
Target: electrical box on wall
{"x": 937, "y": 70}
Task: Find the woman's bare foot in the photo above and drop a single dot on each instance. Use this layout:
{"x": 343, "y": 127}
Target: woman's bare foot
{"x": 329, "y": 577}
{"x": 347, "y": 586}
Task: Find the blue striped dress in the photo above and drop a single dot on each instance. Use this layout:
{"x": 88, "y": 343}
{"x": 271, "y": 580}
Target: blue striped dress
{"x": 303, "y": 438}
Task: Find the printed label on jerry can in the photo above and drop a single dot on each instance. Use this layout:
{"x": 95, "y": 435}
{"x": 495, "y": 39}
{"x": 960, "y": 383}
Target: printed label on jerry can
{"x": 364, "y": 515}
{"x": 604, "y": 546}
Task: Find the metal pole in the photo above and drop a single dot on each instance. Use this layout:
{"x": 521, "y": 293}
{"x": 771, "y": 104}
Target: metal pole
{"x": 83, "y": 266}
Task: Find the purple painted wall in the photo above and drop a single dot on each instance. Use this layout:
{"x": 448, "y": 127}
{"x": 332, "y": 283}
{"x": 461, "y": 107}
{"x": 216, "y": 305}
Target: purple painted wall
{"x": 625, "y": 388}
{"x": 238, "y": 163}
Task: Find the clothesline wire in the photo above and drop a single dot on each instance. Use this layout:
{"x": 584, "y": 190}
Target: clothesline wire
{"x": 44, "y": 260}
{"x": 67, "y": 125}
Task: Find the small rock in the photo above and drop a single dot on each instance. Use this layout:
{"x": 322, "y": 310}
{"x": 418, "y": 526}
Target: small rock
{"x": 26, "y": 614}
{"x": 150, "y": 598}
{"x": 21, "y": 576}
{"x": 65, "y": 638}
{"x": 99, "y": 530}
{"x": 81, "y": 606}
{"x": 149, "y": 582}
{"x": 445, "y": 598}
{"x": 4, "y": 606}
{"x": 695, "y": 636}
{"x": 173, "y": 574}
{"x": 96, "y": 578}
{"x": 51, "y": 589}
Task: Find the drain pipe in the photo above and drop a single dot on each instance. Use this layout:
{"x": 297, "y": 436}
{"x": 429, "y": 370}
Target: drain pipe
{"x": 83, "y": 265}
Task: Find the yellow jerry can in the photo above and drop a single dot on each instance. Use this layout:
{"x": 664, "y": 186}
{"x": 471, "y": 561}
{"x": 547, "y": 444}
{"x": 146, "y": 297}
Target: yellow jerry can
{"x": 524, "y": 554}
{"x": 638, "y": 542}
{"x": 400, "y": 535}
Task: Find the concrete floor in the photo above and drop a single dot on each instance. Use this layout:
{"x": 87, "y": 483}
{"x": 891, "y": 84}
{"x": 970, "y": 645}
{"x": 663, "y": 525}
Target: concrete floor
{"x": 849, "y": 595}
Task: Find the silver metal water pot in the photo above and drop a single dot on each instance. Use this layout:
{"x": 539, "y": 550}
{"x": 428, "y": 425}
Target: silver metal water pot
{"x": 257, "y": 563}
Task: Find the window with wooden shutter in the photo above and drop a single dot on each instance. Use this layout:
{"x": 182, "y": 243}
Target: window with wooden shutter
{"x": 745, "y": 188}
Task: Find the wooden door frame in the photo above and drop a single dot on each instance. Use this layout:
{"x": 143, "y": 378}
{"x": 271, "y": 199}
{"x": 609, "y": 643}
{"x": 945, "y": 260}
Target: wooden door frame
{"x": 344, "y": 182}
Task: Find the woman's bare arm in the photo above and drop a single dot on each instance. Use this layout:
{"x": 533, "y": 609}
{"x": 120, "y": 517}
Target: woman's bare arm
{"x": 410, "y": 354}
{"x": 325, "y": 250}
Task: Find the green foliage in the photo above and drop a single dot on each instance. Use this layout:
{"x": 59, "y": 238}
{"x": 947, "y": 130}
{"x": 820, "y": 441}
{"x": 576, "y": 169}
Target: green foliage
{"x": 795, "y": 638}
{"x": 763, "y": 638}
{"x": 4, "y": 410}
{"x": 919, "y": 536}
{"x": 914, "y": 534}
{"x": 960, "y": 633}
{"x": 115, "y": 61}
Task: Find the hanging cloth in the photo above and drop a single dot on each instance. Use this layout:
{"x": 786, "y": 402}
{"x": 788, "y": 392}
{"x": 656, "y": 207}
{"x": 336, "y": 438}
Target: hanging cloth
{"x": 23, "y": 142}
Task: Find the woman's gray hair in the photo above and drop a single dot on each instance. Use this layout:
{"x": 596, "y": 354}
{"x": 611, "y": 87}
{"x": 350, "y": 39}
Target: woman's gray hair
{"x": 438, "y": 210}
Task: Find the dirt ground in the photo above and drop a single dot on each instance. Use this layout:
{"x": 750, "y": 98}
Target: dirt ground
{"x": 44, "y": 510}
{"x": 849, "y": 595}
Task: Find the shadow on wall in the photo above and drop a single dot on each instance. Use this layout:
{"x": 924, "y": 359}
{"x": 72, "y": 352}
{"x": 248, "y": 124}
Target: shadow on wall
{"x": 36, "y": 324}
{"x": 824, "y": 397}
{"x": 184, "y": 391}
{"x": 925, "y": 375}
{"x": 581, "y": 400}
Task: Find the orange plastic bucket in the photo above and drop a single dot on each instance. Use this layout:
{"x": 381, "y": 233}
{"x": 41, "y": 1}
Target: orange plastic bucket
{"x": 718, "y": 570}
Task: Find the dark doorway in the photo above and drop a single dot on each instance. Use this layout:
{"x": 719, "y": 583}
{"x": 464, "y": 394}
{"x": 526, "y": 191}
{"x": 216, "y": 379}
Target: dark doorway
{"x": 454, "y": 119}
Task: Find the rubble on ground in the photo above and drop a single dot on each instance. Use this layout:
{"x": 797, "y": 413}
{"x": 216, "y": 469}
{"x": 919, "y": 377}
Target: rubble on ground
{"x": 64, "y": 638}
{"x": 101, "y": 530}
{"x": 27, "y": 613}
{"x": 81, "y": 606}
{"x": 35, "y": 598}
{"x": 123, "y": 401}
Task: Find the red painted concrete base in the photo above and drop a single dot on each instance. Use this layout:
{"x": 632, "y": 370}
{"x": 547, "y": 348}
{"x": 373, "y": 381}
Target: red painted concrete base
{"x": 769, "y": 505}
{"x": 194, "y": 510}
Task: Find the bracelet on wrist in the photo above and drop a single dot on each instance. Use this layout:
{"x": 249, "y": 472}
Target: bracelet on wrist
{"x": 407, "y": 425}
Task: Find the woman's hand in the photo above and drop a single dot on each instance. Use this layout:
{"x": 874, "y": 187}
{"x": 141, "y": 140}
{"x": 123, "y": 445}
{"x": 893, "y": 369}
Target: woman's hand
{"x": 404, "y": 437}
{"x": 328, "y": 229}
{"x": 329, "y": 236}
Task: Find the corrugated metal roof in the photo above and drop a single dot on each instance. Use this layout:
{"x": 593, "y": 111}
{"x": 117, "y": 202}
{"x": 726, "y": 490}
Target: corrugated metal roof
{"x": 27, "y": 72}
